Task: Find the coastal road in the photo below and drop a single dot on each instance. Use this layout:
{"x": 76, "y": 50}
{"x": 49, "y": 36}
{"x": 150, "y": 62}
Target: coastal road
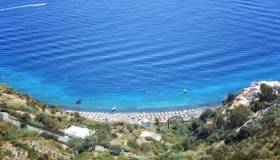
{"x": 61, "y": 138}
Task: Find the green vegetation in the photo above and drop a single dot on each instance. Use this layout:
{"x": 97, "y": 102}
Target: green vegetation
{"x": 267, "y": 94}
{"x": 15, "y": 136}
{"x": 237, "y": 117}
{"x": 233, "y": 133}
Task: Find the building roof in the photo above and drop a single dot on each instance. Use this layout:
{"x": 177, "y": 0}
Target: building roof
{"x": 152, "y": 135}
{"x": 78, "y": 131}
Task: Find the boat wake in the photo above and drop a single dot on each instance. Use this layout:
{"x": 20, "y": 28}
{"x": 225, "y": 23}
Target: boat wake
{"x": 23, "y": 6}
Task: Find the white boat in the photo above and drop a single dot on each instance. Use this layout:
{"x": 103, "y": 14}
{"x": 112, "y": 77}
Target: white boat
{"x": 114, "y": 108}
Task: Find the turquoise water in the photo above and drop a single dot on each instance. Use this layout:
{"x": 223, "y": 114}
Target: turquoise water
{"x": 137, "y": 55}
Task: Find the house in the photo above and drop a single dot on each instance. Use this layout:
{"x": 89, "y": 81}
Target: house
{"x": 144, "y": 123}
{"x": 241, "y": 101}
{"x": 152, "y": 135}
{"x": 210, "y": 121}
{"x": 78, "y": 132}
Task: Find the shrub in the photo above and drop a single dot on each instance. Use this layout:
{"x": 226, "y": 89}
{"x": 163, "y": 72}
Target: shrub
{"x": 174, "y": 156}
{"x": 77, "y": 144}
{"x": 48, "y": 121}
{"x": 23, "y": 125}
{"x": 48, "y": 136}
{"x": 42, "y": 158}
{"x": 8, "y": 153}
{"x": 204, "y": 131}
{"x": 256, "y": 106}
{"x": 145, "y": 147}
{"x": 179, "y": 128}
{"x": 240, "y": 156}
{"x": 133, "y": 144}
{"x": 220, "y": 122}
{"x": 209, "y": 113}
{"x": 243, "y": 133}
{"x": 195, "y": 124}
{"x": 40, "y": 118}
{"x": 213, "y": 138}
{"x": 148, "y": 138}
{"x": 158, "y": 147}
{"x": 277, "y": 152}
{"x": 129, "y": 128}
{"x": 115, "y": 149}
{"x": 76, "y": 115}
{"x": 114, "y": 135}
{"x": 188, "y": 143}
{"x": 157, "y": 123}
{"x": 25, "y": 117}
{"x": 158, "y": 129}
{"x": 238, "y": 116}
{"x": 230, "y": 137}
{"x": 269, "y": 119}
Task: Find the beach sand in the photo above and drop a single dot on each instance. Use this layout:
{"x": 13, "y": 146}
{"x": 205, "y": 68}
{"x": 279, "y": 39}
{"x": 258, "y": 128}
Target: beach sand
{"x": 134, "y": 117}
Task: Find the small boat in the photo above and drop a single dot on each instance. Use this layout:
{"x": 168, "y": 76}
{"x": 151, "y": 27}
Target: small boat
{"x": 114, "y": 108}
{"x": 185, "y": 91}
{"x": 79, "y": 101}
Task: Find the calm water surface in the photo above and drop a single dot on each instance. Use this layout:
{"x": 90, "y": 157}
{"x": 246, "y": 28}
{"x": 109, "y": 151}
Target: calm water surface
{"x": 137, "y": 55}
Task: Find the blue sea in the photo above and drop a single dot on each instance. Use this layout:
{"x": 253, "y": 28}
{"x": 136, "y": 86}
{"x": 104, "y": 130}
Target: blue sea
{"x": 137, "y": 54}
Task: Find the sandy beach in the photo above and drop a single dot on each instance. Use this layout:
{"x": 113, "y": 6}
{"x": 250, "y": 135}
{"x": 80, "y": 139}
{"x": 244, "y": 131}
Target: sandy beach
{"x": 134, "y": 117}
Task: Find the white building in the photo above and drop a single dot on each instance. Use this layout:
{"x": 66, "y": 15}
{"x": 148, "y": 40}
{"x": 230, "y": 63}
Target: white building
{"x": 144, "y": 123}
{"x": 78, "y": 132}
{"x": 152, "y": 135}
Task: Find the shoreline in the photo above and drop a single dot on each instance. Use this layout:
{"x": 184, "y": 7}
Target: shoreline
{"x": 136, "y": 117}
{"x": 138, "y": 110}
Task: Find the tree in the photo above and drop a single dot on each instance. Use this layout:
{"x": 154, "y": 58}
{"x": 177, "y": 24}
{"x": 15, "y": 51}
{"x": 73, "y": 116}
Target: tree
{"x": 266, "y": 94}
{"x": 229, "y": 98}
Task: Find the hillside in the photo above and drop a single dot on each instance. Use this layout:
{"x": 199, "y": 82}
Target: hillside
{"x": 245, "y": 126}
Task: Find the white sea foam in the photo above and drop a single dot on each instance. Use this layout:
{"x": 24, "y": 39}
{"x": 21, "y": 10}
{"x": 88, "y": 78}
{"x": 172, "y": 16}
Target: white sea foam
{"x": 23, "y": 6}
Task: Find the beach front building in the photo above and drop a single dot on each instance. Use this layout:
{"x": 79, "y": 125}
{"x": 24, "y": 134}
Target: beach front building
{"x": 78, "y": 132}
{"x": 251, "y": 93}
{"x": 146, "y": 123}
